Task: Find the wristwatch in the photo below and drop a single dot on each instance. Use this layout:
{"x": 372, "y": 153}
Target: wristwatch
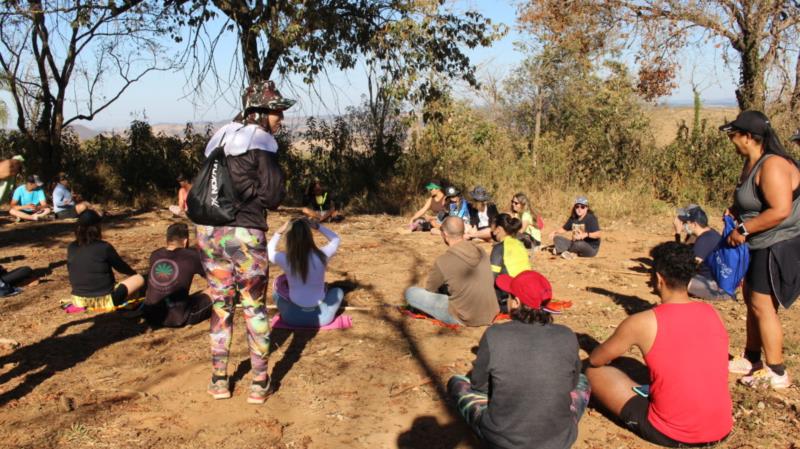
{"x": 742, "y": 230}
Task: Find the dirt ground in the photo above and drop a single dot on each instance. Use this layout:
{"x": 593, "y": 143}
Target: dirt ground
{"x": 106, "y": 381}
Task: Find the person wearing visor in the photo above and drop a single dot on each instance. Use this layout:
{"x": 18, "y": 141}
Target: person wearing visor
{"x": 583, "y": 232}
{"x": 435, "y": 203}
{"x": 766, "y": 206}
{"x": 705, "y": 240}
{"x": 234, "y": 256}
{"x": 28, "y": 201}
{"x": 525, "y": 389}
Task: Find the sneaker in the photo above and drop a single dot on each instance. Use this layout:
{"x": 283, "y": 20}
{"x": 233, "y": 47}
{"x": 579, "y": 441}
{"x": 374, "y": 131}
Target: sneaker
{"x": 258, "y": 394}
{"x": 72, "y": 308}
{"x": 219, "y": 389}
{"x": 740, "y": 365}
{"x": 568, "y": 255}
{"x": 765, "y": 377}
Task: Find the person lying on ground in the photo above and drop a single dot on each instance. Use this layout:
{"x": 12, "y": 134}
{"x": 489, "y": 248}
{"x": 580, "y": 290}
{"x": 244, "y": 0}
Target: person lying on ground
{"x": 28, "y": 201}
{"x": 583, "y": 230}
{"x": 532, "y": 223}
{"x": 459, "y": 286}
{"x": 168, "y": 302}
{"x": 481, "y": 214}
{"x": 685, "y": 346}
{"x": 65, "y": 205}
{"x": 435, "y": 203}
{"x": 509, "y": 255}
{"x": 307, "y": 303}
{"x": 91, "y": 262}
{"x": 706, "y": 239}
{"x": 525, "y": 389}
{"x": 319, "y": 204}
{"x": 179, "y": 210}
{"x": 10, "y": 280}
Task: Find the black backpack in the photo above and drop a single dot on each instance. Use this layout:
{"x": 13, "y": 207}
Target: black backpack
{"x": 212, "y": 200}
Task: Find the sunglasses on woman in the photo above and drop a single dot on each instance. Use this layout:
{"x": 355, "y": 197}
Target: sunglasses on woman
{"x": 581, "y": 206}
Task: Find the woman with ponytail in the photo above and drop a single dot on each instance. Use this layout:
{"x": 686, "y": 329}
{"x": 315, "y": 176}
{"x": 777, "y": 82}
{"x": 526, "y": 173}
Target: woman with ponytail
{"x": 300, "y": 293}
{"x": 766, "y": 206}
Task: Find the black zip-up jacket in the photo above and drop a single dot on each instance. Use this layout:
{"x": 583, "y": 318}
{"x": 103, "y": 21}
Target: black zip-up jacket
{"x": 259, "y": 183}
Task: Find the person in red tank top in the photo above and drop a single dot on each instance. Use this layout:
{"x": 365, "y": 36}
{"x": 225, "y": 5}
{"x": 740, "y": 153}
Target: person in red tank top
{"x": 685, "y": 347}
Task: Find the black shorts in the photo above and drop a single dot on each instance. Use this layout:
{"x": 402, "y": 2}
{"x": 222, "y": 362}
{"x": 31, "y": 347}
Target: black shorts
{"x": 634, "y": 415}
{"x": 757, "y": 277}
{"x": 68, "y": 212}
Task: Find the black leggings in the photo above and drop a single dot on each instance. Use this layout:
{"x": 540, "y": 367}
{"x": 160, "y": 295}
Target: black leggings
{"x": 16, "y": 275}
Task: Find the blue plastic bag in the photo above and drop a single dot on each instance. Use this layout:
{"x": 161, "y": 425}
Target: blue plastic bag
{"x": 728, "y": 264}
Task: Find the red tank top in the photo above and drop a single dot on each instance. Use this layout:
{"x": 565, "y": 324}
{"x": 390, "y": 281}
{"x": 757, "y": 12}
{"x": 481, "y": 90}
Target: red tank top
{"x": 689, "y": 397}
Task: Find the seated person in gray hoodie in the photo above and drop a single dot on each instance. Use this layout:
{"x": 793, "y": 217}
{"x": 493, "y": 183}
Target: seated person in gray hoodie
{"x": 460, "y": 286}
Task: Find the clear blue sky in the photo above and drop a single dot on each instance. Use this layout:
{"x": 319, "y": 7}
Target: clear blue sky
{"x": 162, "y": 97}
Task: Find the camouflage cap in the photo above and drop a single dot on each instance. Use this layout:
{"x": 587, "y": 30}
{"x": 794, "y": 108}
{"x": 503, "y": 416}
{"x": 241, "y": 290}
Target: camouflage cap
{"x": 263, "y": 95}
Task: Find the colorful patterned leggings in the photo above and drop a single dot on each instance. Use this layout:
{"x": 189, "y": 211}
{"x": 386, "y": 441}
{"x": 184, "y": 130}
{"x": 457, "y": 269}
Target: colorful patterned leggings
{"x": 471, "y": 404}
{"x": 235, "y": 261}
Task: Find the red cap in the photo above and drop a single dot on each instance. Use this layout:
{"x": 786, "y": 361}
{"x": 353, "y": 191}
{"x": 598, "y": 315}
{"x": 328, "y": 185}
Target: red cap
{"x": 529, "y": 287}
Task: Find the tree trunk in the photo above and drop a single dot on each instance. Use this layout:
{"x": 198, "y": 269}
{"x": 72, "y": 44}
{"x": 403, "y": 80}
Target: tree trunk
{"x": 751, "y": 93}
{"x": 537, "y": 130}
{"x": 794, "y": 101}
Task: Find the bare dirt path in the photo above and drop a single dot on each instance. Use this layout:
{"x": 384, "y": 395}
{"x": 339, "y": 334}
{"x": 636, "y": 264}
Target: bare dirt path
{"x": 105, "y": 381}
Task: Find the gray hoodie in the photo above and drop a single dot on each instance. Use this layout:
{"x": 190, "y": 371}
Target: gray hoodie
{"x": 464, "y": 274}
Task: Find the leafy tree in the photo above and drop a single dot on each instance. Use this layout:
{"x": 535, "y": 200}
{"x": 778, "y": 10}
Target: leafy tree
{"x": 46, "y": 46}
{"x": 762, "y": 34}
{"x": 401, "y": 39}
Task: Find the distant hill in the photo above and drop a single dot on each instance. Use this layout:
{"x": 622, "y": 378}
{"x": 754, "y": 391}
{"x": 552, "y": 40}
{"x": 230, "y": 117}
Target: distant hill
{"x": 665, "y": 120}
{"x": 84, "y": 132}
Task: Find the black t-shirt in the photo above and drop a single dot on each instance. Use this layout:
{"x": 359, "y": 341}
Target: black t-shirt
{"x": 168, "y": 284}
{"x": 589, "y": 224}
{"x": 90, "y": 268}
{"x": 528, "y": 370}
{"x": 703, "y": 245}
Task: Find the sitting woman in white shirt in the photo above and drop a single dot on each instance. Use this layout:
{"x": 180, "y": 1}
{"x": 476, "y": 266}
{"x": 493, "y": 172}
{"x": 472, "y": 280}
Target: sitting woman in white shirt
{"x": 307, "y": 303}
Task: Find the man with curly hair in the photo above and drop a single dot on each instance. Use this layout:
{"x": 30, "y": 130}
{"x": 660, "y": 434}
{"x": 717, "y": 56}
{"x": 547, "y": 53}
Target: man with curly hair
{"x": 685, "y": 346}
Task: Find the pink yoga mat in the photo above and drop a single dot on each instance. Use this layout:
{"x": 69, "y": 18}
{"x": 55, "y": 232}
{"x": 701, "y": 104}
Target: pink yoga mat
{"x": 340, "y": 322}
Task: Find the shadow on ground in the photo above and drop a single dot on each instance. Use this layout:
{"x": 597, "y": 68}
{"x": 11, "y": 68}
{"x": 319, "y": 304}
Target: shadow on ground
{"x": 630, "y": 303}
{"x": 39, "y": 361}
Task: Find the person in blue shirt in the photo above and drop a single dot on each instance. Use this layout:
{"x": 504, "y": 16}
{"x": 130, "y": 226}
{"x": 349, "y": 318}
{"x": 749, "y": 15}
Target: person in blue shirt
{"x": 28, "y": 201}
{"x": 695, "y": 223}
{"x": 455, "y": 205}
{"x": 64, "y": 204}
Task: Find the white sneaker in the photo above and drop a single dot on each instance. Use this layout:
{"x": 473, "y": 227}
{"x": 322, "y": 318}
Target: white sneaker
{"x": 568, "y": 255}
{"x": 765, "y": 377}
{"x": 740, "y": 365}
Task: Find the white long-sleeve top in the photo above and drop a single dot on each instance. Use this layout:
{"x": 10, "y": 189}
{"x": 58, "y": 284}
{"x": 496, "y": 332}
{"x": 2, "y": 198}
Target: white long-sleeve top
{"x": 311, "y": 292}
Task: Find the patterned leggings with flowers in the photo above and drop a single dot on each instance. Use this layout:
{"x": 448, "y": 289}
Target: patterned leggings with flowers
{"x": 235, "y": 261}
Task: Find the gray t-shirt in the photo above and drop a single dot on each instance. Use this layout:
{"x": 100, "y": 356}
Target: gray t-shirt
{"x": 532, "y": 369}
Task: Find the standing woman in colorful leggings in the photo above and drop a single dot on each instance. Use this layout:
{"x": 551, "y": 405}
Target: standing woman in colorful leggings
{"x": 235, "y": 255}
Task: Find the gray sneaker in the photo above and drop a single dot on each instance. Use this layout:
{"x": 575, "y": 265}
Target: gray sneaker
{"x": 258, "y": 394}
{"x": 568, "y": 255}
{"x": 219, "y": 389}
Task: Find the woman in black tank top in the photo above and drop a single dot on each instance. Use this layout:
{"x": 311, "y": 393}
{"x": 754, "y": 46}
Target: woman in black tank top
{"x": 768, "y": 214}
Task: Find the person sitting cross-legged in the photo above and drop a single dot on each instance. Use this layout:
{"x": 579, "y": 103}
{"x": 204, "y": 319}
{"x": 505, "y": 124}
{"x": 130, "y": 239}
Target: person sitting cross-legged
{"x": 65, "y": 204}
{"x": 706, "y": 239}
{"x": 28, "y": 201}
{"x": 509, "y": 255}
{"x": 90, "y": 265}
{"x": 168, "y": 302}
{"x": 307, "y": 303}
{"x": 459, "y": 286}
{"x": 525, "y": 389}
{"x": 685, "y": 347}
